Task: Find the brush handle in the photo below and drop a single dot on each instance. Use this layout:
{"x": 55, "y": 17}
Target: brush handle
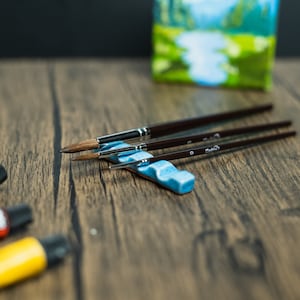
{"x": 213, "y": 135}
{"x": 185, "y": 124}
{"x": 217, "y": 148}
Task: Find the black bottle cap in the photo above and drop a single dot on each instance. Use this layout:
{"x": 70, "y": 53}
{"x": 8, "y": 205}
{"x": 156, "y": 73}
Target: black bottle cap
{"x": 19, "y": 215}
{"x": 56, "y": 248}
{"x": 3, "y": 174}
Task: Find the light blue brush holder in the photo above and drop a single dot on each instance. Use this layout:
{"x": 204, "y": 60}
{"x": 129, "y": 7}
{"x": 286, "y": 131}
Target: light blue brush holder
{"x": 161, "y": 172}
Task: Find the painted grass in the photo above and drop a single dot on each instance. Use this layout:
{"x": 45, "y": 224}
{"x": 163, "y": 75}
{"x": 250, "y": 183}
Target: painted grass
{"x": 250, "y": 59}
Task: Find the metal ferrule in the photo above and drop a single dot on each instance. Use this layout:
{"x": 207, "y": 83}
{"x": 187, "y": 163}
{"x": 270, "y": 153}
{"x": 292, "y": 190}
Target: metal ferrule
{"x": 143, "y": 162}
{"x": 107, "y": 153}
{"x": 140, "y": 163}
{"x": 123, "y": 151}
{"x": 144, "y": 131}
{"x": 123, "y": 135}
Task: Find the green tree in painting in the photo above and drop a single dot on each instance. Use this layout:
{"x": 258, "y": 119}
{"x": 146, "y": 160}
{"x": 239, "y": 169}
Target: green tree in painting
{"x": 173, "y": 13}
{"x": 236, "y": 17}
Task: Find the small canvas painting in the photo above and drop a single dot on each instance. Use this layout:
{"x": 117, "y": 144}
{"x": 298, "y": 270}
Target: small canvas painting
{"x": 228, "y": 43}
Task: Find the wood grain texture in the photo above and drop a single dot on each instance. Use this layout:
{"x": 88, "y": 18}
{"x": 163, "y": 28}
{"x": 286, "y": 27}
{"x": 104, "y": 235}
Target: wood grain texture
{"x": 236, "y": 236}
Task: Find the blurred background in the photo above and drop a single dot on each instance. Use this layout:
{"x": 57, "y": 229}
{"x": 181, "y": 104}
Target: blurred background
{"x": 73, "y": 28}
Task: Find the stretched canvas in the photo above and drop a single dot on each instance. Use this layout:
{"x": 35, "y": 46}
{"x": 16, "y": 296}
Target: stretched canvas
{"x": 227, "y": 43}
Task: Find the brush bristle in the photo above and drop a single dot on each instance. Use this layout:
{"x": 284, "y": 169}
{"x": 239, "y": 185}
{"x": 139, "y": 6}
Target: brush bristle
{"x": 81, "y": 146}
{"x": 86, "y": 157}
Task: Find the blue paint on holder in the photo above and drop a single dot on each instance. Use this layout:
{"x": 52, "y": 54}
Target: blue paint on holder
{"x": 161, "y": 172}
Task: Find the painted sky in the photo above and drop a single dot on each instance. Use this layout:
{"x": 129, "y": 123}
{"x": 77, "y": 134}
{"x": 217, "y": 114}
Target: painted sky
{"x": 210, "y": 14}
{"x": 221, "y": 7}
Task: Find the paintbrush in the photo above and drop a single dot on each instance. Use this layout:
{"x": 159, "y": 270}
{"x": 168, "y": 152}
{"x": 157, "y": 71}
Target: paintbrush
{"x": 204, "y": 150}
{"x": 159, "y": 130}
{"x": 185, "y": 140}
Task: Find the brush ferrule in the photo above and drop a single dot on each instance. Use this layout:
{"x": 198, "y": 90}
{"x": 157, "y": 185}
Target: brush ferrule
{"x": 123, "y": 135}
{"x": 140, "y": 163}
{"x": 143, "y": 162}
{"x": 122, "y": 151}
{"x": 143, "y": 131}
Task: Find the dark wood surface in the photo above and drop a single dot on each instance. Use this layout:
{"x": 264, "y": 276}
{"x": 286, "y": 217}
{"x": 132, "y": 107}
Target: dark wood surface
{"x": 235, "y": 236}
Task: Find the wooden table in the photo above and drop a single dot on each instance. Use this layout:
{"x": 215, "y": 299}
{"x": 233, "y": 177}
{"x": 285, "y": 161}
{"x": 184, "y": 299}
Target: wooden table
{"x": 235, "y": 236}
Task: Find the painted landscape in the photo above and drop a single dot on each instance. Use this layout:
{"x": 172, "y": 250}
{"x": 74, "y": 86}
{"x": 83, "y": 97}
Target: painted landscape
{"x": 215, "y": 43}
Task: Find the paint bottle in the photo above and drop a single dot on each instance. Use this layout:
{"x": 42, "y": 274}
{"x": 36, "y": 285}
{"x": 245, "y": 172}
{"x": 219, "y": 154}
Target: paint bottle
{"x": 3, "y": 174}
{"x": 13, "y": 218}
{"x": 30, "y": 256}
